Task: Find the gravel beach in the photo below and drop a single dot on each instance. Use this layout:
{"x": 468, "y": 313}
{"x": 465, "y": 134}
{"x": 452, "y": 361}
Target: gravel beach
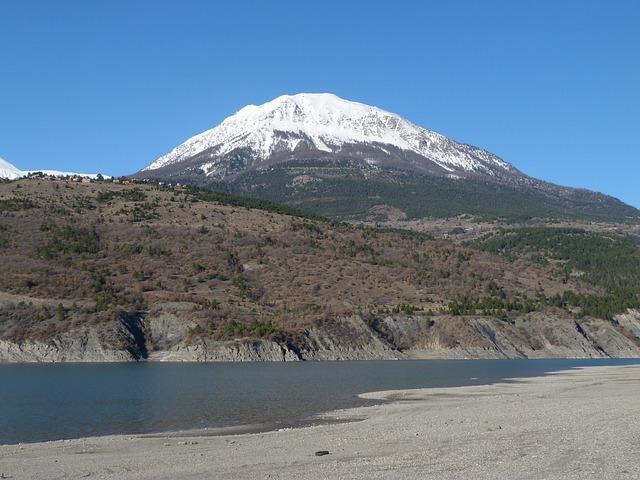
{"x": 580, "y": 424}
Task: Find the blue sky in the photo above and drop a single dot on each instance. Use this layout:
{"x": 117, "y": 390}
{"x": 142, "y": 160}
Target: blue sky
{"x": 551, "y": 86}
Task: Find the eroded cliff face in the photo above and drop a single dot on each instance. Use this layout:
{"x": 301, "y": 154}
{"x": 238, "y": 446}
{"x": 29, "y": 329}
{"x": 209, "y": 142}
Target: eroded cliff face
{"x": 165, "y": 337}
{"x": 535, "y": 335}
{"x": 85, "y": 346}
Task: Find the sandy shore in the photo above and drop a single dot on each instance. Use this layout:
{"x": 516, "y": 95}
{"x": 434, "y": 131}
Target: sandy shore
{"x": 582, "y": 424}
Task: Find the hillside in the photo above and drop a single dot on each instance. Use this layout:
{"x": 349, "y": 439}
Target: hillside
{"x": 112, "y": 271}
{"x": 348, "y": 192}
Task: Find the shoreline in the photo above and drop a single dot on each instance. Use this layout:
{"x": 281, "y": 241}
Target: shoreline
{"x": 323, "y": 360}
{"x": 408, "y": 359}
{"x": 578, "y": 423}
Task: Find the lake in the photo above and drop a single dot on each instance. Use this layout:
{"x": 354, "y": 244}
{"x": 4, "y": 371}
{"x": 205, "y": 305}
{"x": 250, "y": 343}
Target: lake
{"x": 57, "y": 401}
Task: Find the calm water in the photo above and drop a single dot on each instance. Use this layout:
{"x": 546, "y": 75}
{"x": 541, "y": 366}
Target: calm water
{"x": 47, "y": 402}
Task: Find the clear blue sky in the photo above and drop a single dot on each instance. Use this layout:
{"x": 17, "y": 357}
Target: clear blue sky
{"x": 551, "y": 86}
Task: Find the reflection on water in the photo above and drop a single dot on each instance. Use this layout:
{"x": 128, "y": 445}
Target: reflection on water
{"x": 47, "y": 402}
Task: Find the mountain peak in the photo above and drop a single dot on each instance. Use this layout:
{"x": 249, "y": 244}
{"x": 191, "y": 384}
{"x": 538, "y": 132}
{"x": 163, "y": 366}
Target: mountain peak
{"x": 326, "y": 123}
{"x": 325, "y": 106}
{"x": 350, "y": 160}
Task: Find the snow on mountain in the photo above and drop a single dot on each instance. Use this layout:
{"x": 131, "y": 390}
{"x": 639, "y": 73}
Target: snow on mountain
{"x": 327, "y": 123}
{"x": 57, "y": 173}
{"x": 8, "y": 171}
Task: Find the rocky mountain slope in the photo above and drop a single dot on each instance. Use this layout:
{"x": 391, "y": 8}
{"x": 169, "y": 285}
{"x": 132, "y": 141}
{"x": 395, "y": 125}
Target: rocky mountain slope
{"x": 343, "y": 159}
{"x": 111, "y": 271}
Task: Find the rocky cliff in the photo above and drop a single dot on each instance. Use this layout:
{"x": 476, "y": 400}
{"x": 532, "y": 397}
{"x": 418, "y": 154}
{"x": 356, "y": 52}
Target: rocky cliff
{"x": 355, "y": 338}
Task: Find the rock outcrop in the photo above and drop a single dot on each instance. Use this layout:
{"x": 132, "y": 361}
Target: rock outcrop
{"x": 165, "y": 337}
{"x": 234, "y": 351}
{"x": 86, "y": 346}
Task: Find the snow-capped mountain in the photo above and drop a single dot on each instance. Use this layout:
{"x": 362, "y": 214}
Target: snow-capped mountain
{"x": 11, "y": 172}
{"x": 349, "y": 160}
{"x": 8, "y": 171}
{"x": 324, "y": 126}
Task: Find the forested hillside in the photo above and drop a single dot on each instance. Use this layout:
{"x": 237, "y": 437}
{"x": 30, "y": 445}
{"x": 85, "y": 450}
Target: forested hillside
{"x": 346, "y": 191}
{"x": 153, "y": 268}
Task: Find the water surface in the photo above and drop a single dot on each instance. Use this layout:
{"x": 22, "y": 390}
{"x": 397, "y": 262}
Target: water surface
{"x": 55, "y": 401}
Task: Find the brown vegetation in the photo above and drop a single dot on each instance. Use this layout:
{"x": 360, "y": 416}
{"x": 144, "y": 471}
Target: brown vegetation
{"x": 103, "y": 250}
